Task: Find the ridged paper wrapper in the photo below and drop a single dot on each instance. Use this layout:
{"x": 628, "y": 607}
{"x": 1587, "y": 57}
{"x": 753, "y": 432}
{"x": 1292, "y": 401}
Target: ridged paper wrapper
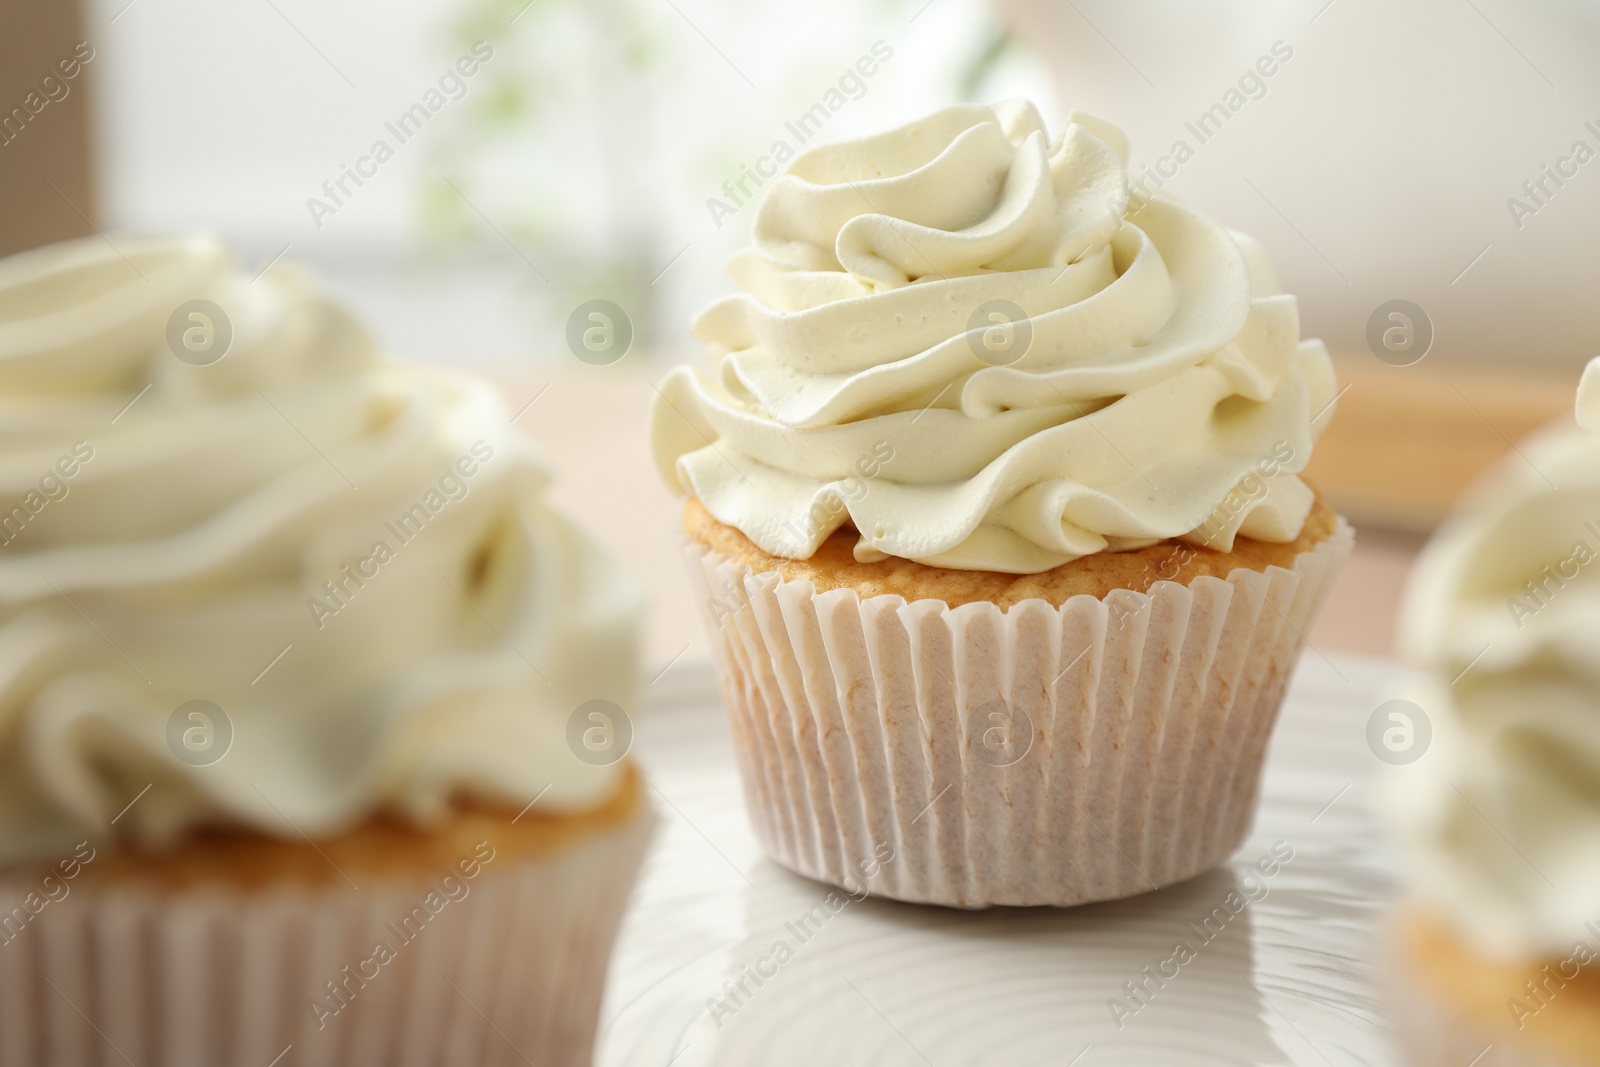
{"x": 971, "y": 756}
{"x": 512, "y": 973}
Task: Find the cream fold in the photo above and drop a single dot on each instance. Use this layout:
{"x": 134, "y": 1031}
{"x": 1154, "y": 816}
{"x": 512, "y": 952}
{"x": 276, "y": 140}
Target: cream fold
{"x": 350, "y": 557}
{"x": 1164, "y": 371}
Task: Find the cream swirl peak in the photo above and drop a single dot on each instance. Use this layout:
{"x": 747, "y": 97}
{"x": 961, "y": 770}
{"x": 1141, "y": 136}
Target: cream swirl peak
{"x": 349, "y": 557}
{"x": 1500, "y": 818}
{"x": 1151, "y": 363}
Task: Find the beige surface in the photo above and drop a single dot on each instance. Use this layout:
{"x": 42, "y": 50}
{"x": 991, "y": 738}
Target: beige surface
{"x": 591, "y": 422}
{"x": 1404, "y": 444}
{"x": 1407, "y": 440}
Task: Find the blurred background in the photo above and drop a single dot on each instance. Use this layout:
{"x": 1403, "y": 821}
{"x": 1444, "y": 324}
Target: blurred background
{"x": 1439, "y": 152}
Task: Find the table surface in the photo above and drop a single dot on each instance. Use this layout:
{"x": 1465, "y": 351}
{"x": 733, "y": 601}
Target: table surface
{"x": 1289, "y": 979}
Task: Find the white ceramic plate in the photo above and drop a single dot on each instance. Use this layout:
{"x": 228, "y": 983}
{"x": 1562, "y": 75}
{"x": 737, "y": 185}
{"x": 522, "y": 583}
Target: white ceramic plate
{"x": 1281, "y": 973}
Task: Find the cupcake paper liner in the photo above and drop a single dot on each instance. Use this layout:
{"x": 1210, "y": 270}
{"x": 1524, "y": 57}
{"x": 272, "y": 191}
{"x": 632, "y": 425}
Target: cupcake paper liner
{"x": 971, "y": 756}
{"x": 512, "y": 973}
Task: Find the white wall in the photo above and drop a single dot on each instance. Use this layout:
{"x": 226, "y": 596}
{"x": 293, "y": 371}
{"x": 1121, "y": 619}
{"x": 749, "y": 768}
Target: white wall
{"x": 224, "y": 116}
{"x": 1387, "y": 147}
{"x": 1377, "y": 165}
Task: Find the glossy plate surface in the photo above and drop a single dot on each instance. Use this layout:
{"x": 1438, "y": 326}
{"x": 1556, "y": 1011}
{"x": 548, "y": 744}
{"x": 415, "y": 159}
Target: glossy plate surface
{"x": 1288, "y": 978}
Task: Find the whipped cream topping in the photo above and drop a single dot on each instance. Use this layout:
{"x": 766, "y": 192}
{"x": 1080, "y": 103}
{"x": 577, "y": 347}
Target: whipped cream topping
{"x": 1158, "y": 386}
{"x": 1500, "y": 818}
{"x": 349, "y": 557}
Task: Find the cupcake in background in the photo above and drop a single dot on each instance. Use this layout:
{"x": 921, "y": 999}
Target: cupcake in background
{"x": 1497, "y": 957}
{"x": 311, "y": 709}
{"x": 993, "y": 505}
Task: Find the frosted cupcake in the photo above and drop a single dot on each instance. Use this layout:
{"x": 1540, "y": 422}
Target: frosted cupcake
{"x": 1500, "y": 817}
{"x": 291, "y": 649}
{"x": 994, "y": 510}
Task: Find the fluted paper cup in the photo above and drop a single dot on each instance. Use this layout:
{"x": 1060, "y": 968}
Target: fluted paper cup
{"x": 512, "y": 973}
{"x": 972, "y": 757}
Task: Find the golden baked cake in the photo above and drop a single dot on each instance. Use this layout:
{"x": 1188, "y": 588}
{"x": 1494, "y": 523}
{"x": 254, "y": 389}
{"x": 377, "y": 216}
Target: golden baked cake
{"x": 834, "y": 566}
{"x": 1535, "y": 1012}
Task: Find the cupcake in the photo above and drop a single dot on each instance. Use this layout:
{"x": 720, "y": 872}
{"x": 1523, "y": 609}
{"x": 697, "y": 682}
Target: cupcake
{"x": 993, "y": 508}
{"x": 1497, "y": 955}
{"x": 311, "y": 709}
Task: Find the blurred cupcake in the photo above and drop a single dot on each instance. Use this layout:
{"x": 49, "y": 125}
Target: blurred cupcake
{"x": 291, "y": 651}
{"x": 1498, "y": 954}
{"x": 993, "y": 507}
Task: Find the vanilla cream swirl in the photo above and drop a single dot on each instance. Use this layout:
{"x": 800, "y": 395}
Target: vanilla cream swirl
{"x": 853, "y": 385}
{"x": 175, "y": 532}
{"x": 1500, "y": 818}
